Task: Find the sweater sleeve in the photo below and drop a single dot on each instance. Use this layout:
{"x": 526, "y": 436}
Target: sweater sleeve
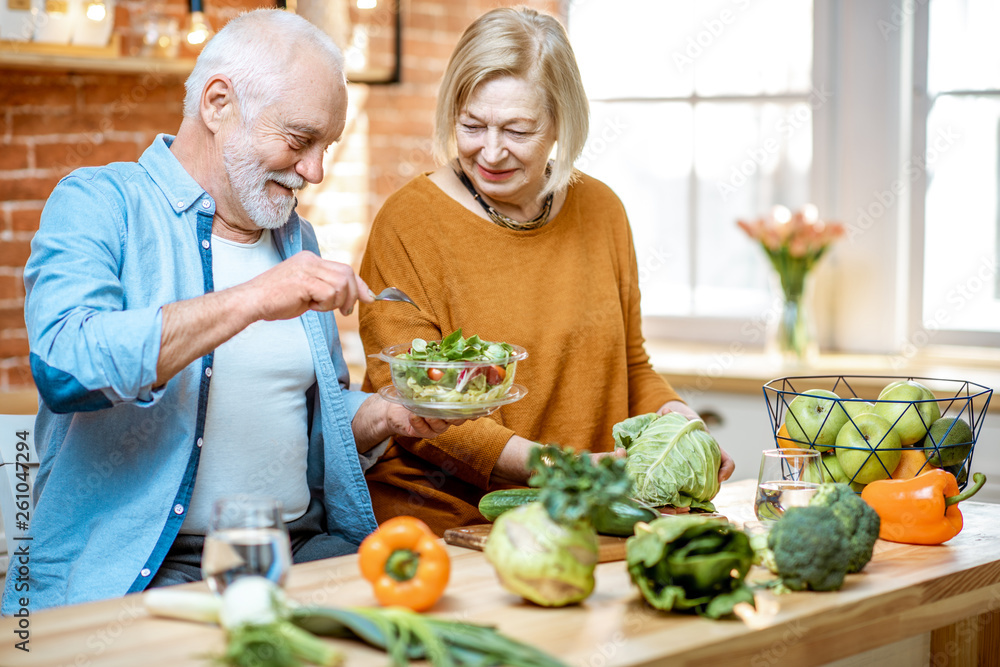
{"x": 647, "y": 389}
{"x": 471, "y": 450}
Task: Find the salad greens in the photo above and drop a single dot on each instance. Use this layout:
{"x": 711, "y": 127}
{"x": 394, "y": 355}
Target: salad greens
{"x": 456, "y": 348}
{"x": 471, "y": 370}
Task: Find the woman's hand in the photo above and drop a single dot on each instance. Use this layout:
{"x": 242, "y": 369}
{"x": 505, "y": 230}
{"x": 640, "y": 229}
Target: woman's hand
{"x": 679, "y": 407}
{"x": 616, "y": 453}
{"x": 726, "y": 466}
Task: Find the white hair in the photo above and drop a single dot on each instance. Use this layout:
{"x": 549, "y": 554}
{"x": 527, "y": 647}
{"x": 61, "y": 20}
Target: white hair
{"x": 256, "y": 51}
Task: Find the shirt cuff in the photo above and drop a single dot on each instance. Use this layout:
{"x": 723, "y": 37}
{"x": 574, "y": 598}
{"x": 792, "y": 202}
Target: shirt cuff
{"x": 368, "y": 459}
{"x": 353, "y": 400}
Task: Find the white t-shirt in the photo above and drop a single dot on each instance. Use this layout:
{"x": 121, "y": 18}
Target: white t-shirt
{"x": 256, "y": 439}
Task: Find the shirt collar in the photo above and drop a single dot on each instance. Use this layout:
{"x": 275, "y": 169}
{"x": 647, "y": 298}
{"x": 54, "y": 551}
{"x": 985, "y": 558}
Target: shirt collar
{"x": 174, "y": 182}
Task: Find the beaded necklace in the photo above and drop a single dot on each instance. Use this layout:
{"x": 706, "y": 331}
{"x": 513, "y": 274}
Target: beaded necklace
{"x": 499, "y": 218}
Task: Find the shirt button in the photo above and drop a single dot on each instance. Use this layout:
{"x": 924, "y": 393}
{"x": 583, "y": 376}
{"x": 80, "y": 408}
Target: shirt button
{"x": 208, "y": 372}
{"x": 178, "y": 509}
{"x": 205, "y": 244}
{"x": 201, "y": 441}
{"x": 144, "y": 571}
{"x": 205, "y": 203}
{"x": 180, "y": 204}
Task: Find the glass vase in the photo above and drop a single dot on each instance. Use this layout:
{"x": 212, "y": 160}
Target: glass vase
{"x": 792, "y": 335}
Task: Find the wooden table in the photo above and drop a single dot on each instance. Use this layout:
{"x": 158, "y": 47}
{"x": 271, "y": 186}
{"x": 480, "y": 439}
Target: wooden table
{"x": 950, "y": 593}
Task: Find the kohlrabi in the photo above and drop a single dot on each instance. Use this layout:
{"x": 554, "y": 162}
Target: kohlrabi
{"x": 546, "y": 551}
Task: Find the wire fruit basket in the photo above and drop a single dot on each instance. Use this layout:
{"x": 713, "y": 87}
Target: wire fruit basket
{"x": 921, "y": 423}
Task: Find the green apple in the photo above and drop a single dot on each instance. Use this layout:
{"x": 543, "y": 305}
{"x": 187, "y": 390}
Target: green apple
{"x": 948, "y": 442}
{"x": 815, "y": 417}
{"x": 855, "y": 408}
{"x": 910, "y": 408}
{"x": 828, "y": 470}
{"x": 868, "y": 449}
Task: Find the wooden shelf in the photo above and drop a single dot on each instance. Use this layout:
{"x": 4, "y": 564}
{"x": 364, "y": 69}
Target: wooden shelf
{"x": 56, "y": 57}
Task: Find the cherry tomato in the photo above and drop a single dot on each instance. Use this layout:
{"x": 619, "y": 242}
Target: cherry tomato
{"x": 495, "y": 374}
{"x": 435, "y": 374}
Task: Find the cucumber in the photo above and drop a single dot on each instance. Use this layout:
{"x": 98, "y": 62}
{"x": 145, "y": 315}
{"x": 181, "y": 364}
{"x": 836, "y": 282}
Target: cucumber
{"x": 495, "y": 503}
{"x": 618, "y": 518}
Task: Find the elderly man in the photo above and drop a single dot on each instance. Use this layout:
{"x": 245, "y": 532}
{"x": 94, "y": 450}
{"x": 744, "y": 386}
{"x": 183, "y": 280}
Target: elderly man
{"x": 182, "y": 333}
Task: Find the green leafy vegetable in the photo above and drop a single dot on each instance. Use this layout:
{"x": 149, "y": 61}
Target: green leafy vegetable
{"x": 691, "y": 564}
{"x": 672, "y": 460}
{"x": 573, "y": 487}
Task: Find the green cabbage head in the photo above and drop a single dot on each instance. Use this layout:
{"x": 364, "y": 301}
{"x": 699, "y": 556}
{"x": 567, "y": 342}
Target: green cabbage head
{"x": 672, "y": 460}
{"x": 543, "y": 561}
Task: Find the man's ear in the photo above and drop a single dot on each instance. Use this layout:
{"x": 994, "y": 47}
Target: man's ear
{"x": 218, "y": 101}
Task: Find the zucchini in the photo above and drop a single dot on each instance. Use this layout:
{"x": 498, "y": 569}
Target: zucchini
{"x": 618, "y": 518}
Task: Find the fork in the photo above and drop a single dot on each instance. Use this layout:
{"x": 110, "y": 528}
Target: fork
{"x": 392, "y": 294}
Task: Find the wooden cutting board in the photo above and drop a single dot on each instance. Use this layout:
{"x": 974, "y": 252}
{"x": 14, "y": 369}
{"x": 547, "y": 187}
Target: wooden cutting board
{"x": 609, "y": 548}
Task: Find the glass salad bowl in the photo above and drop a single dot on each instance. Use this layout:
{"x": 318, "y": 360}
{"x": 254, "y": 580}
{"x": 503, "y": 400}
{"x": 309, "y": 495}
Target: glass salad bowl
{"x": 455, "y": 378}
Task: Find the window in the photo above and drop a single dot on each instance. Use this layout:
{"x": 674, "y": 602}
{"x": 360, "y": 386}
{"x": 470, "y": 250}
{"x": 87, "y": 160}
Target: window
{"x": 884, "y": 113}
{"x": 701, "y": 114}
{"x": 957, "y": 115}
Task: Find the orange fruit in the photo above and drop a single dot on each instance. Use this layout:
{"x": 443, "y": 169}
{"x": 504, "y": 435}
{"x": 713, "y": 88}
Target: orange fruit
{"x": 910, "y": 464}
{"x": 785, "y": 440}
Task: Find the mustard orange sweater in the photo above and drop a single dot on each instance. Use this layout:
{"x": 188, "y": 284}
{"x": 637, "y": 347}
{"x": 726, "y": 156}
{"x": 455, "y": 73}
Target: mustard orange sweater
{"x": 567, "y": 292}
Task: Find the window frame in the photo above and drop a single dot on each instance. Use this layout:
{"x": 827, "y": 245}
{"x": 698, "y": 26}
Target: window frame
{"x": 923, "y": 332}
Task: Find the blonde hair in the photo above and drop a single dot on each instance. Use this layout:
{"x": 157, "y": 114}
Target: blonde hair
{"x": 526, "y": 44}
{"x": 255, "y": 51}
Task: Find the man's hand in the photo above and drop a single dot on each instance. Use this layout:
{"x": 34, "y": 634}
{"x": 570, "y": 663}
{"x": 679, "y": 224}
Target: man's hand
{"x": 726, "y": 466}
{"x": 378, "y": 419}
{"x": 304, "y": 282}
{"x": 193, "y": 328}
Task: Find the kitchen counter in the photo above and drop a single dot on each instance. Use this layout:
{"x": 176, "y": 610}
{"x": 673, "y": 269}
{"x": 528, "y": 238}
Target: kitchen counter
{"x": 945, "y": 600}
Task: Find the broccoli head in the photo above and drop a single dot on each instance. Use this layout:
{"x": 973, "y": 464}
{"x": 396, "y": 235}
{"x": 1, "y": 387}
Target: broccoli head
{"x": 860, "y": 521}
{"x": 810, "y": 549}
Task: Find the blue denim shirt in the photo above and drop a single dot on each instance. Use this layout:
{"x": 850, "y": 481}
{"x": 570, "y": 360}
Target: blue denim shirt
{"x": 118, "y": 457}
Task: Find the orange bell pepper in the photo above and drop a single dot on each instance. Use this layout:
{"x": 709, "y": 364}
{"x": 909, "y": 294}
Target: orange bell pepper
{"x": 921, "y": 510}
{"x": 405, "y": 564}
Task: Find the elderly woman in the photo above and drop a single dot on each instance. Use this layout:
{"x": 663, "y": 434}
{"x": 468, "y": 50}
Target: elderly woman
{"x": 504, "y": 243}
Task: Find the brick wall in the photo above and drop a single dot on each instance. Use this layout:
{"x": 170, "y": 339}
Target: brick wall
{"x": 54, "y": 121}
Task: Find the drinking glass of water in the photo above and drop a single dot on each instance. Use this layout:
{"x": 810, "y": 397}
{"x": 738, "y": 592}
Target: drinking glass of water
{"x": 246, "y": 536}
{"x": 787, "y": 479}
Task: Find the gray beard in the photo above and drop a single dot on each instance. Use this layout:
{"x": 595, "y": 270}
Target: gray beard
{"x": 249, "y": 181}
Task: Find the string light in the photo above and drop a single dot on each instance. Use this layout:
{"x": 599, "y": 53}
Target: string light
{"x": 96, "y": 10}
{"x": 199, "y": 30}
